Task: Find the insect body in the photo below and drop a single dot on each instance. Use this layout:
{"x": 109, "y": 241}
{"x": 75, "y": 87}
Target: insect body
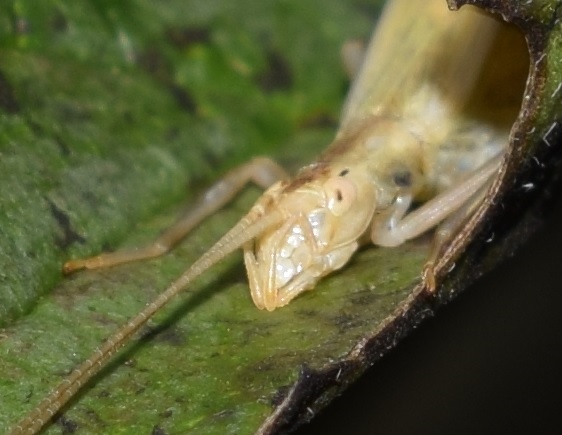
{"x": 401, "y": 114}
{"x": 402, "y": 140}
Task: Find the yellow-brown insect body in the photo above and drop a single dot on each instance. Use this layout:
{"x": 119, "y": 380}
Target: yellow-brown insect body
{"x": 392, "y": 149}
{"x": 328, "y": 208}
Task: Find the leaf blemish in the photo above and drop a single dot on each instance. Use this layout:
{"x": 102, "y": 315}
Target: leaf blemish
{"x": 277, "y": 75}
{"x": 8, "y": 101}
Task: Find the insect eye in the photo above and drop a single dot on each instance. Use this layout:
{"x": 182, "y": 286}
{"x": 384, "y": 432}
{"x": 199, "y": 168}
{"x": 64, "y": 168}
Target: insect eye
{"x": 341, "y": 194}
{"x": 402, "y": 178}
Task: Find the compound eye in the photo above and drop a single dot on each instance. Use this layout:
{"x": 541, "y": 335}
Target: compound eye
{"x": 341, "y": 194}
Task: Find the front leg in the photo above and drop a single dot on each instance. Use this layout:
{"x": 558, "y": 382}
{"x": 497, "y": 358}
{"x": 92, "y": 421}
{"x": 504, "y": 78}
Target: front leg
{"x": 262, "y": 171}
{"x": 394, "y": 227}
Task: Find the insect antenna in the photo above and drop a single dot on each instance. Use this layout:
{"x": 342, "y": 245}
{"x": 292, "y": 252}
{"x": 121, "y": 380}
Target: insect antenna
{"x": 249, "y": 227}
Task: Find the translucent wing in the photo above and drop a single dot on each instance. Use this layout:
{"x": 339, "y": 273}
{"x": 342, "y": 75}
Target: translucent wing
{"x": 417, "y": 45}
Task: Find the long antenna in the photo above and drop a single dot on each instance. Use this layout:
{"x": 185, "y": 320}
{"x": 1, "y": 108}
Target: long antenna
{"x": 249, "y": 227}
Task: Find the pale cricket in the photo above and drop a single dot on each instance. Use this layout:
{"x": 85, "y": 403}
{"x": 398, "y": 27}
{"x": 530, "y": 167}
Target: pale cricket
{"x": 402, "y": 140}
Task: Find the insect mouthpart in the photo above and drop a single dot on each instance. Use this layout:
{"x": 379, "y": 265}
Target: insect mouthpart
{"x": 291, "y": 258}
{"x": 299, "y": 244}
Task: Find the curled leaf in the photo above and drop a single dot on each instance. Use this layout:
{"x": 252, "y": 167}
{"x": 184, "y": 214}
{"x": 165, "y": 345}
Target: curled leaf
{"x": 109, "y": 111}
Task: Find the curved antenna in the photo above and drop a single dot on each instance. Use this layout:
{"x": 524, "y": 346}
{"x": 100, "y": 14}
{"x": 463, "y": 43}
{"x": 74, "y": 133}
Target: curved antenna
{"x": 248, "y": 228}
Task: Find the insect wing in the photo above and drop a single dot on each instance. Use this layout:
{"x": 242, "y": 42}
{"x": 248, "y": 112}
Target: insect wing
{"x": 437, "y": 47}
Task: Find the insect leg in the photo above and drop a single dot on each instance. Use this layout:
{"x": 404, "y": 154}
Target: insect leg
{"x": 262, "y": 171}
{"x": 450, "y": 226}
{"x": 447, "y": 229}
{"x": 393, "y": 232}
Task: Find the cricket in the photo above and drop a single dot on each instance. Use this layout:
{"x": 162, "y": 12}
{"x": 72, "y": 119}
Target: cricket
{"x": 406, "y": 159}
